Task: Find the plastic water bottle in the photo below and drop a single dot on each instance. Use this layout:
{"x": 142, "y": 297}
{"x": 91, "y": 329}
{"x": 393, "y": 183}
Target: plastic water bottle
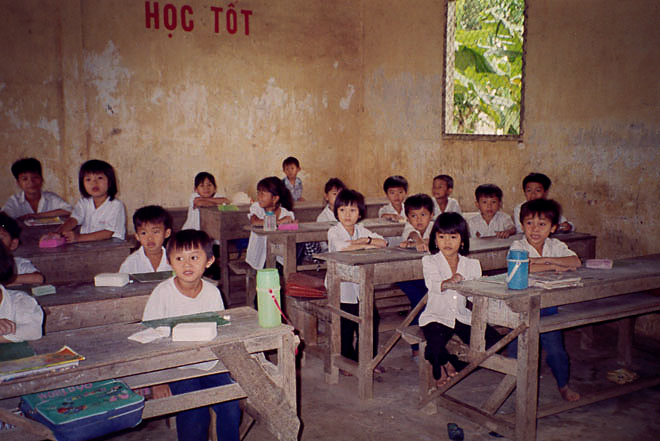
{"x": 517, "y": 269}
{"x": 270, "y": 223}
{"x": 268, "y": 298}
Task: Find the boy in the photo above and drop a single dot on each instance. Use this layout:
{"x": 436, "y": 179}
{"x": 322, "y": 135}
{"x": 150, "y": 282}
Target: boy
{"x": 291, "y": 167}
{"x": 26, "y": 273}
{"x": 537, "y": 186}
{"x": 331, "y": 189}
{"x": 20, "y": 315}
{"x": 152, "y": 226}
{"x": 539, "y": 218}
{"x": 31, "y": 202}
{"x": 416, "y": 234}
{"x": 443, "y": 185}
{"x": 189, "y": 252}
{"x": 491, "y": 222}
{"x": 396, "y": 188}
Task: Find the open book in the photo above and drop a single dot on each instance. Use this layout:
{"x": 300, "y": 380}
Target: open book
{"x": 36, "y": 364}
{"x": 549, "y": 280}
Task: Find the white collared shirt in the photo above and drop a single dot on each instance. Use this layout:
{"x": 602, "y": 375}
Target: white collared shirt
{"x": 327, "y": 215}
{"x": 138, "y": 262}
{"x": 452, "y": 207}
{"x": 109, "y": 216}
{"x": 17, "y": 206}
{"x": 24, "y": 311}
{"x": 500, "y": 222}
{"x": 408, "y": 228}
{"x": 389, "y": 209}
{"x": 551, "y": 248}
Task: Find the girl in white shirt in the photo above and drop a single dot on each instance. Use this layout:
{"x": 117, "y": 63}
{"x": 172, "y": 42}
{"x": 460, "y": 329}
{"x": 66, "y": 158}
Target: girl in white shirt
{"x": 204, "y": 195}
{"x": 447, "y": 311}
{"x": 272, "y": 196}
{"x": 100, "y": 215}
{"x": 348, "y": 235}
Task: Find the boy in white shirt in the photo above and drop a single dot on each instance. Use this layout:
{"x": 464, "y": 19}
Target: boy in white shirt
{"x": 539, "y": 219}
{"x": 443, "y": 185}
{"x": 396, "y": 189}
{"x": 537, "y": 186}
{"x": 190, "y": 254}
{"x": 153, "y": 224}
{"x": 491, "y": 222}
{"x": 26, "y": 272}
{"x": 20, "y": 315}
{"x": 31, "y": 202}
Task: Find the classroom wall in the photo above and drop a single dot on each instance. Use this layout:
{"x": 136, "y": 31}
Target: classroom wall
{"x": 351, "y": 88}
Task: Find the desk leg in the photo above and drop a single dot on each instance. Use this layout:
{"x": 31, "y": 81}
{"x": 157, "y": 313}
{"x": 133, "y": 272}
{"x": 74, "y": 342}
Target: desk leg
{"x": 334, "y": 344}
{"x": 366, "y": 333}
{"x": 527, "y": 386}
{"x": 274, "y": 403}
{"x": 625, "y": 341}
{"x": 224, "y": 268}
{"x": 290, "y": 264}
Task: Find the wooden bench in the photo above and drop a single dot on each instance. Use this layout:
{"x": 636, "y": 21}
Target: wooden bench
{"x": 623, "y": 308}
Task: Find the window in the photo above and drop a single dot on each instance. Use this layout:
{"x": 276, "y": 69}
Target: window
{"x": 484, "y": 68}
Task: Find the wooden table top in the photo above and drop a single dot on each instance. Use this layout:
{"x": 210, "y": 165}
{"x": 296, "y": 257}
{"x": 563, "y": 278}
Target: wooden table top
{"x": 31, "y": 250}
{"x": 308, "y": 227}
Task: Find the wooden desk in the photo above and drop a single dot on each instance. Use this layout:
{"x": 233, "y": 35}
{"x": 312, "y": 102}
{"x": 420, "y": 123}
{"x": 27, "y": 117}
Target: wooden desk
{"x": 76, "y": 262}
{"x": 390, "y": 265}
{"x": 270, "y": 389}
{"x": 596, "y": 301}
{"x": 229, "y": 225}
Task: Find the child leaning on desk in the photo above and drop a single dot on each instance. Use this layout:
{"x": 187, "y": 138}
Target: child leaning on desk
{"x": 539, "y": 219}
{"x": 396, "y": 189}
{"x": 153, "y": 225}
{"x": 447, "y": 312}
{"x": 204, "y": 195}
{"x": 100, "y": 215}
{"x": 26, "y": 272}
{"x": 348, "y": 235}
{"x": 491, "y": 221}
{"x": 20, "y": 315}
{"x": 190, "y": 254}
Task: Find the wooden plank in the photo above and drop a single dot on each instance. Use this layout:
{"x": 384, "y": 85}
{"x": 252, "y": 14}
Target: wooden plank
{"x": 500, "y": 394}
{"x": 23, "y": 423}
{"x": 366, "y": 333}
{"x": 191, "y": 400}
{"x": 528, "y": 376}
{"x": 89, "y": 314}
{"x": 267, "y": 398}
{"x": 334, "y": 345}
{"x": 625, "y": 341}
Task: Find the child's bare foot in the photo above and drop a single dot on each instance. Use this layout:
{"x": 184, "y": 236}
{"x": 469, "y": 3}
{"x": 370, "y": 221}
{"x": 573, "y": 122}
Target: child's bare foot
{"x": 569, "y": 394}
{"x": 448, "y": 372}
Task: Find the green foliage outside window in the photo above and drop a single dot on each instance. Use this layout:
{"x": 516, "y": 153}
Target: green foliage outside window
{"x": 488, "y": 62}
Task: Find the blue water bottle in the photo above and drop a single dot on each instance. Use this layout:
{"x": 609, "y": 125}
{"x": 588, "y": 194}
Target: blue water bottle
{"x": 517, "y": 269}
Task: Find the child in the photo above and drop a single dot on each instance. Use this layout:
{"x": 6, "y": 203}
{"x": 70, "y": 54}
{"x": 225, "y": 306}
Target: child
{"x": 31, "y": 202}
{"x": 491, "y": 222}
{"x": 189, "y": 252}
{"x": 443, "y": 185}
{"x": 537, "y": 186}
{"x": 539, "y": 218}
{"x": 396, "y": 188}
{"x": 416, "y": 234}
{"x": 204, "y": 195}
{"x": 348, "y": 235}
{"x": 272, "y": 196}
{"x": 331, "y": 190}
{"x": 26, "y": 273}
{"x": 100, "y": 215}
{"x": 291, "y": 167}
{"x": 153, "y": 224}
{"x": 20, "y": 315}
{"x": 447, "y": 312}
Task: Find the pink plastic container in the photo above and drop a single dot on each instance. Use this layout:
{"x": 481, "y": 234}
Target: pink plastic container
{"x": 291, "y": 227}
{"x": 52, "y": 243}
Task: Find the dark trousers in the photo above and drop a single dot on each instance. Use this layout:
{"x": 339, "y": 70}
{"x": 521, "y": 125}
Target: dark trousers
{"x": 437, "y": 335}
{"x": 349, "y": 331}
{"x": 193, "y": 424}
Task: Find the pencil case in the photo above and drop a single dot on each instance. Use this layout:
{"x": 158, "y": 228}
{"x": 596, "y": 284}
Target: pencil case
{"x": 598, "y": 263}
{"x": 86, "y": 411}
{"x": 52, "y": 243}
{"x": 288, "y": 227}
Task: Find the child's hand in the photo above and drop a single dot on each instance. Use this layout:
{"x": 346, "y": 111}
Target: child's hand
{"x": 286, "y": 220}
{"x": 564, "y": 227}
{"x": 161, "y": 391}
{"x": 7, "y": 327}
{"x": 70, "y": 236}
{"x": 422, "y": 247}
{"x": 503, "y": 234}
{"x": 51, "y": 235}
{"x": 198, "y": 201}
{"x": 456, "y": 278}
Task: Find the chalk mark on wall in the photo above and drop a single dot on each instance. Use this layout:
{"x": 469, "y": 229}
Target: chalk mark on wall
{"x": 105, "y": 71}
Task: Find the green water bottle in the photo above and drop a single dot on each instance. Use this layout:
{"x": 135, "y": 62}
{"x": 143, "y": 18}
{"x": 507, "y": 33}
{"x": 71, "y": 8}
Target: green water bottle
{"x": 268, "y": 292}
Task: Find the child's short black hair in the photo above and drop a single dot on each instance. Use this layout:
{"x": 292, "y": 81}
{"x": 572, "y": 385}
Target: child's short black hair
{"x": 188, "y": 240}
{"x": 152, "y": 214}
{"x": 395, "y": 182}
{"x": 10, "y": 225}
{"x": 417, "y": 201}
{"x": 97, "y": 166}
{"x": 291, "y": 160}
{"x": 547, "y": 208}
{"x": 447, "y": 179}
{"x": 7, "y": 265}
{"x": 350, "y": 197}
{"x": 539, "y": 178}
{"x": 333, "y": 183}
{"x": 25, "y": 165}
{"x": 202, "y": 176}
{"x": 450, "y": 223}
{"x": 487, "y": 191}
{"x": 276, "y": 187}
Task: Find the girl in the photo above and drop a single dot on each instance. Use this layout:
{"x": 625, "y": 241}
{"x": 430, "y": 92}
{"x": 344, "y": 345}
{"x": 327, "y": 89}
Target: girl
{"x": 273, "y": 196}
{"x": 204, "y": 195}
{"x": 446, "y": 312}
{"x": 348, "y": 235}
{"x": 98, "y": 213}
{"x": 332, "y": 189}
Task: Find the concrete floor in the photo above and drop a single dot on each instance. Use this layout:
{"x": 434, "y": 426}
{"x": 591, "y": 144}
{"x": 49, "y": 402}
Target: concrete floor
{"x": 333, "y": 412}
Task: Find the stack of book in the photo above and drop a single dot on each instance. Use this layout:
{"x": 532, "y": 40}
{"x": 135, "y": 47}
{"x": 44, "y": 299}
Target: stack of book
{"x": 36, "y": 364}
{"x": 554, "y": 280}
